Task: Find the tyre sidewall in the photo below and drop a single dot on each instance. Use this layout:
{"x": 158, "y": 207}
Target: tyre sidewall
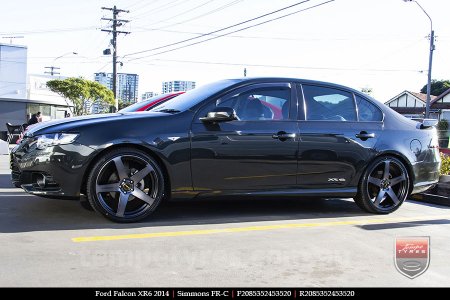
{"x": 92, "y": 177}
{"x": 365, "y": 201}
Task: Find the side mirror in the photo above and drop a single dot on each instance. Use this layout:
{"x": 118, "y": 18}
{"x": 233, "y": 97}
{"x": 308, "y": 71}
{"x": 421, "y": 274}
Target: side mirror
{"x": 220, "y": 114}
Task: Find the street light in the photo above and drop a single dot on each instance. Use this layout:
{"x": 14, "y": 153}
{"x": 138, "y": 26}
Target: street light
{"x": 52, "y": 68}
{"x": 65, "y": 54}
{"x": 430, "y": 61}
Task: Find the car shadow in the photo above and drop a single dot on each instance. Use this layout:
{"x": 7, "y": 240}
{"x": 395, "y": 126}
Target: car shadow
{"x": 404, "y": 224}
{"x": 21, "y": 212}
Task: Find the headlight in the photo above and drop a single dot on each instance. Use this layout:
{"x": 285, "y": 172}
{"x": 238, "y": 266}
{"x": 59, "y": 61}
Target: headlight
{"x": 46, "y": 140}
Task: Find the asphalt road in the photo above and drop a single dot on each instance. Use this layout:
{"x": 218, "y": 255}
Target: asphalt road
{"x": 214, "y": 243}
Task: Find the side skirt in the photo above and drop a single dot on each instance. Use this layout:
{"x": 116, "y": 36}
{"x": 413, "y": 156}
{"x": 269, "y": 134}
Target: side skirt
{"x": 338, "y": 192}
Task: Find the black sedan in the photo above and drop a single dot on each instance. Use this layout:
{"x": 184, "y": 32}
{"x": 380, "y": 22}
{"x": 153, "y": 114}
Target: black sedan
{"x": 259, "y": 136}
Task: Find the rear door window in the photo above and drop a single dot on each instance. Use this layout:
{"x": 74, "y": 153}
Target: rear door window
{"x": 328, "y": 104}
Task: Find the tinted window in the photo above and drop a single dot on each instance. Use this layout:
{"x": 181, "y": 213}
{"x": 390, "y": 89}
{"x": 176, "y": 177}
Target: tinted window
{"x": 324, "y": 103}
{"x": 195, "y": 96}
{"x": 367, "y": 111}
{"x": 271, "y": 103}
{"x": 137, "y": 105}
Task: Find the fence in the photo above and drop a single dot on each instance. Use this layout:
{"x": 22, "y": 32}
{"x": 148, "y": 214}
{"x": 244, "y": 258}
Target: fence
{"x": 443, "y": 139}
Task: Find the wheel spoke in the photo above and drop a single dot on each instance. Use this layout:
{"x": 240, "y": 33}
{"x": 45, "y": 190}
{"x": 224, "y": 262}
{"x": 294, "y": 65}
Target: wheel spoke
{"x": 143, "y": 196}
{"x": 398, "y": 179}
{"x": 123, "y": 200}
{"x": 110, "y": 187}
{"x": 121, "y": 170}
{"x": 393, "y": 196}
{"x": 142, "y": 173}
{"x": 375, "y": 181}
{"x": 379, "y": 198}
{"x": 387, "y": 164}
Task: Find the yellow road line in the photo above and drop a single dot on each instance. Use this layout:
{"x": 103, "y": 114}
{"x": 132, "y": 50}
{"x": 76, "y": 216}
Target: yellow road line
{"x": 249, "y": 228}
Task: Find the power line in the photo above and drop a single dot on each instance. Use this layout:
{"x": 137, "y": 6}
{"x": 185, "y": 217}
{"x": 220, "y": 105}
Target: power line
{"x": 282, "y": 66}
{"x": 104, "y": 66}
{"x": 204, "y": 14}
{"x": 42, "y": 31}
{"x": 13, "y": 61}
{"x": 219, "y": 30}
{"x": 185, "y": 12}
{"x": 158, "y": 9}
{"x": 278, "y": 38}
{"x": 139, "y": 3}
{"x": 241, "y": 29}
{"x": 140, "y": 7}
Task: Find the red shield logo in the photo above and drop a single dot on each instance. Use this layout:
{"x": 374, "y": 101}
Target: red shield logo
{"x": 412, "y": 255}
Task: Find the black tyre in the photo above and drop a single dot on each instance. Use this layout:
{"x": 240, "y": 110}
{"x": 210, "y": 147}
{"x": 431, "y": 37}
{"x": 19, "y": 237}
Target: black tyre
{"x": 384, "y": 186}
{"x": 125, "y": 185}
{"x": 85, "y": 204}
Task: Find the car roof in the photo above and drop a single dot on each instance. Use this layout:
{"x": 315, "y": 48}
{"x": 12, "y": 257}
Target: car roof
{"x": 282, "y": 79}
{"x": 302, "y": 81}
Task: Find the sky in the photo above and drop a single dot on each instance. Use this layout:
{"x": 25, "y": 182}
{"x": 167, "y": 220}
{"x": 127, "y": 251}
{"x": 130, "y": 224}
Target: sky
{"x": 377, "y": 44}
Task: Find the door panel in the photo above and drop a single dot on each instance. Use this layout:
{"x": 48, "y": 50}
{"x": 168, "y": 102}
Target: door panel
{"x": 256, "y": 152}
{"x": 330, "y": 154}
{"x": 336, "y": 139}
{"x": 243, "y": 155}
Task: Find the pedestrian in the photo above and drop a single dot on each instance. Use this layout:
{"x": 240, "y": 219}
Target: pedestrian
{"x": 35, "y": 118}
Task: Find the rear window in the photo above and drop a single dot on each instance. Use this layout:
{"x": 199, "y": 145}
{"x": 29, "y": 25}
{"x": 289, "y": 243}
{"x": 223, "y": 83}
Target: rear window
{"x": 367, "y": 111}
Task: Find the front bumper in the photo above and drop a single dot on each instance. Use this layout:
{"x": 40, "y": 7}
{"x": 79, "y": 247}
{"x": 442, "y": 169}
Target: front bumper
{"x": 55, "y": 171}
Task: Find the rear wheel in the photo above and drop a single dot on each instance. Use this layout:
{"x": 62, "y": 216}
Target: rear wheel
{"x": 384, "y": 186}
{"x": 125, "y": 185}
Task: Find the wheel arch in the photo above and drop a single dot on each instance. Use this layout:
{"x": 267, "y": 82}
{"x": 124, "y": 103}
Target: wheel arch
{"x": 126, "y": 145}
{"x": 402, "y": 158}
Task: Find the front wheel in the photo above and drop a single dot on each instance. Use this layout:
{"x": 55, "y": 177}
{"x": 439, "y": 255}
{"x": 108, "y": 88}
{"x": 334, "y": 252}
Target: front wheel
{"x": 384, "y": 186}
{"x": 125, "y": 185}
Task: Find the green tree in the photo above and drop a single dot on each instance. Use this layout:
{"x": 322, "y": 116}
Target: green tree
{"x": 367, "y": 90}
{"x": 437, "y": 87}
{"x": 123, "y": 104}
{"x": 82, "y": 93}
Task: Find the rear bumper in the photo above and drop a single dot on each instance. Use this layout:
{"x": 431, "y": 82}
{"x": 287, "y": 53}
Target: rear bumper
{"x": 426, "y": 172}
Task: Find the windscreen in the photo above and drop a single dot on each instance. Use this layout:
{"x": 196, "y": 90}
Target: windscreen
{"x": 193, "y": 97}
{"x": 137, "y": 105}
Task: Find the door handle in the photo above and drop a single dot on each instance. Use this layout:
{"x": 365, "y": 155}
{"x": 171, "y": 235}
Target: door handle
{"x": 282, "y": 136}
{"x": 363, "y": 135}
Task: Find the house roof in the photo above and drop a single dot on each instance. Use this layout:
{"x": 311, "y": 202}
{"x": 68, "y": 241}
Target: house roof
{"x": 437, "y": 98}
{"x": 418, "y": 96}
{"x": 422, "y": 96}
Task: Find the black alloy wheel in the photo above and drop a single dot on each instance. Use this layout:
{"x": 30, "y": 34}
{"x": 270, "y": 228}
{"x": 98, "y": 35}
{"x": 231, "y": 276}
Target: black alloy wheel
{"x": 125, "y": 185}
{"x": 384, "y": 186}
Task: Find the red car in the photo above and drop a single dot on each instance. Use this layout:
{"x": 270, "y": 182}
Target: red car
{"x": 151, "y": 102}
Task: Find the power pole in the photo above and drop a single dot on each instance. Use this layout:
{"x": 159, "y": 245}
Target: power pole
{"x": 52, "y": 70}
{"x": 430, "y": 64}
{"x": 115, "y": 23}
